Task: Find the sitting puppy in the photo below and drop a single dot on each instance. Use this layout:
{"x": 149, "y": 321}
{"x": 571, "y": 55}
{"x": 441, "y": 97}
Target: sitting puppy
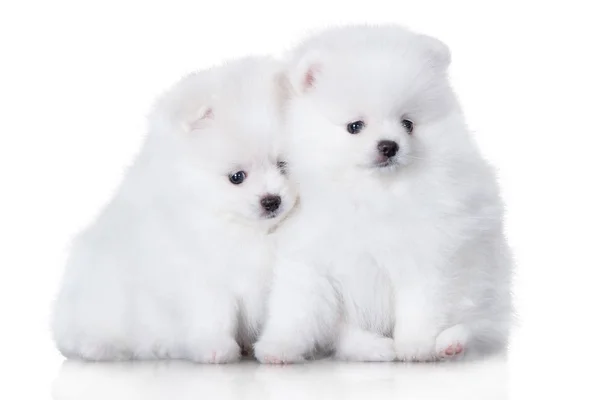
{"x": 397, "y": 249}
{"x": 177, "y": 264}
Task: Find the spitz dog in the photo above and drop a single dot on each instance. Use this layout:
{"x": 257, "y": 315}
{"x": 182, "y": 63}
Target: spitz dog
{"x": 177, "y": 265}
{"x": 396, "y": 250}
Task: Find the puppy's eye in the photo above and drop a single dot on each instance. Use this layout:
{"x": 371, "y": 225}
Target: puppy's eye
{"x": 355, "y": 127}
{"x": 408, "y": 125}
{"x": 237, "y": 177}
{"x": 282, "y": 165}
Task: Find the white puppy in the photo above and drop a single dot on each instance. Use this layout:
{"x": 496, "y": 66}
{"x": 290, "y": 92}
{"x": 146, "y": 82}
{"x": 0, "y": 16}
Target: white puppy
{"x": 399, "y": 233}
{"x": 177, "y": 265}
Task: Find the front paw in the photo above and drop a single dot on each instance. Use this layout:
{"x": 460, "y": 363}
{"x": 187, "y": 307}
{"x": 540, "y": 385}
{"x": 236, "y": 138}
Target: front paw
{"x": 277, "y": 352}
{"x": 379, "y": 349}
{"x": 415, "y": 348}
{"x": 216, "y": 352}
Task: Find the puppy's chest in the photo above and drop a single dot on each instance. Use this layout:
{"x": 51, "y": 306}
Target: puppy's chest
{"x": 385, "y": 216}
{"x": 386, "y": 230}
{"x": 236, "y": 256}
{"x": 247, "y": 262}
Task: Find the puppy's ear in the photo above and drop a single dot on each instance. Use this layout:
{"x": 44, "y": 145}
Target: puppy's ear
{"x": 437, "y": 52}
{"x": 303, "y": 74}
{"x": 199, "y": 119}
{"x": 187, "y": 106}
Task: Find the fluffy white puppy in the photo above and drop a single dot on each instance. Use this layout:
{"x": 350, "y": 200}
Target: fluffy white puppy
{"x": 397, "y": 247}
{"x": 177, "y": 265}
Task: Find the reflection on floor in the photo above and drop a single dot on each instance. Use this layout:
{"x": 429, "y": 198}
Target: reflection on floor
{"x": 486, "y": 379}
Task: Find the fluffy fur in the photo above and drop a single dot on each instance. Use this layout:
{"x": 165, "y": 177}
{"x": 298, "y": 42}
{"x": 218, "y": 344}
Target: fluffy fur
{"x": 385, "y": 258}
{"x": 177, "y": 264}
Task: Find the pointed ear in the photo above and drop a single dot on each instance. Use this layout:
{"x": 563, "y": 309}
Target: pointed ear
{"x": 199, "y": 119}
{"x": 304, "y": 73}
{"x": 437, "y": 52}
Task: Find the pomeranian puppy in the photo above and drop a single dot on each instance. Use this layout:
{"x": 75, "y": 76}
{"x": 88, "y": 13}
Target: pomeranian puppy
{"x": 177, "y": 265}
{"x": 396, "y": 250}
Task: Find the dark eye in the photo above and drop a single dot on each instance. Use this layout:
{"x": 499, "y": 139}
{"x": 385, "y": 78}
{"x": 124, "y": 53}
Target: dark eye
{"x": 355, "y": 127}
{"x": 282, "y": 165}
{"x": 408, "y": 125}
{"x": 237, "y": 177}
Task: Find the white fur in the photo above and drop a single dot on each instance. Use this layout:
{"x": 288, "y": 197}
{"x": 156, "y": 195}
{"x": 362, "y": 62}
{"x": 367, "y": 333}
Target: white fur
{"x": 177, "y": 265}
{"x": 414, "y": 251}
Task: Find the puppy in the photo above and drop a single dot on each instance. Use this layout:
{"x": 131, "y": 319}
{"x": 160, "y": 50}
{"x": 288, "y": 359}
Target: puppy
{"x": 177, "y": 264}
{"x": 397, "y": 249}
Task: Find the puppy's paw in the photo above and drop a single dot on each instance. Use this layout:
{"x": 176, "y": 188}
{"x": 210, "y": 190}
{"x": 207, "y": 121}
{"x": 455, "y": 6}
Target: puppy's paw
{"x": 271, "y": 352}
{"x": 415, "y": 348}
{"x": 356, "y": 344}
{"x": 451, "y": 343}
{"x": 96, "y": 351}
{"x": 216, "y": 352}
{"x": 376, "y": 349}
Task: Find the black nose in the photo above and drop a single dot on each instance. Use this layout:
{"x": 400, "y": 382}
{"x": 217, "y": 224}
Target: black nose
{"x": 388, "y": 148}
{"x": 270, "y": 202}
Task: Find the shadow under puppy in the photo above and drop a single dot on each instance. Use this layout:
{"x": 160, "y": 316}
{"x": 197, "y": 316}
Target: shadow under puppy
{"x": 177, "y": 265}
{"x": 397, "y": 248}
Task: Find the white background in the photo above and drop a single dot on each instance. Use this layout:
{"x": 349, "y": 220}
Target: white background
{"x": 76, "y": 80}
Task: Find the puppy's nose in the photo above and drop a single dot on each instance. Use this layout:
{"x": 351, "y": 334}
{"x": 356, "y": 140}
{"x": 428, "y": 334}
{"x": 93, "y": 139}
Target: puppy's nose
{"x": 270, "y": 202}
{"x": 388, "y": 148}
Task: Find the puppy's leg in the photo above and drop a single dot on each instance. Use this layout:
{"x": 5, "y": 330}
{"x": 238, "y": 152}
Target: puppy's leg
{"x": 90, "y": 326}
{"x": 302, "y": 314}
{"x": 355, "y": 344}
{"x": 367, "y": 298}
{"x": 419, "y": 320}
{"x": 482, "y": 315}
{"x": 211, "y": 330}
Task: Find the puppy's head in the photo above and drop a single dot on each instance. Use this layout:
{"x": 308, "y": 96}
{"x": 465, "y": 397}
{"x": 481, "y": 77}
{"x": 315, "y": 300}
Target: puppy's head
{"x": 226, "y": 124}
{"x": 368, "y": 99}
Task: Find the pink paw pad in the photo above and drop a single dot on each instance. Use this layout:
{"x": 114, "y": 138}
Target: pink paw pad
{"x": 452, "y": 350}
{"x": 273, "y": 360}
